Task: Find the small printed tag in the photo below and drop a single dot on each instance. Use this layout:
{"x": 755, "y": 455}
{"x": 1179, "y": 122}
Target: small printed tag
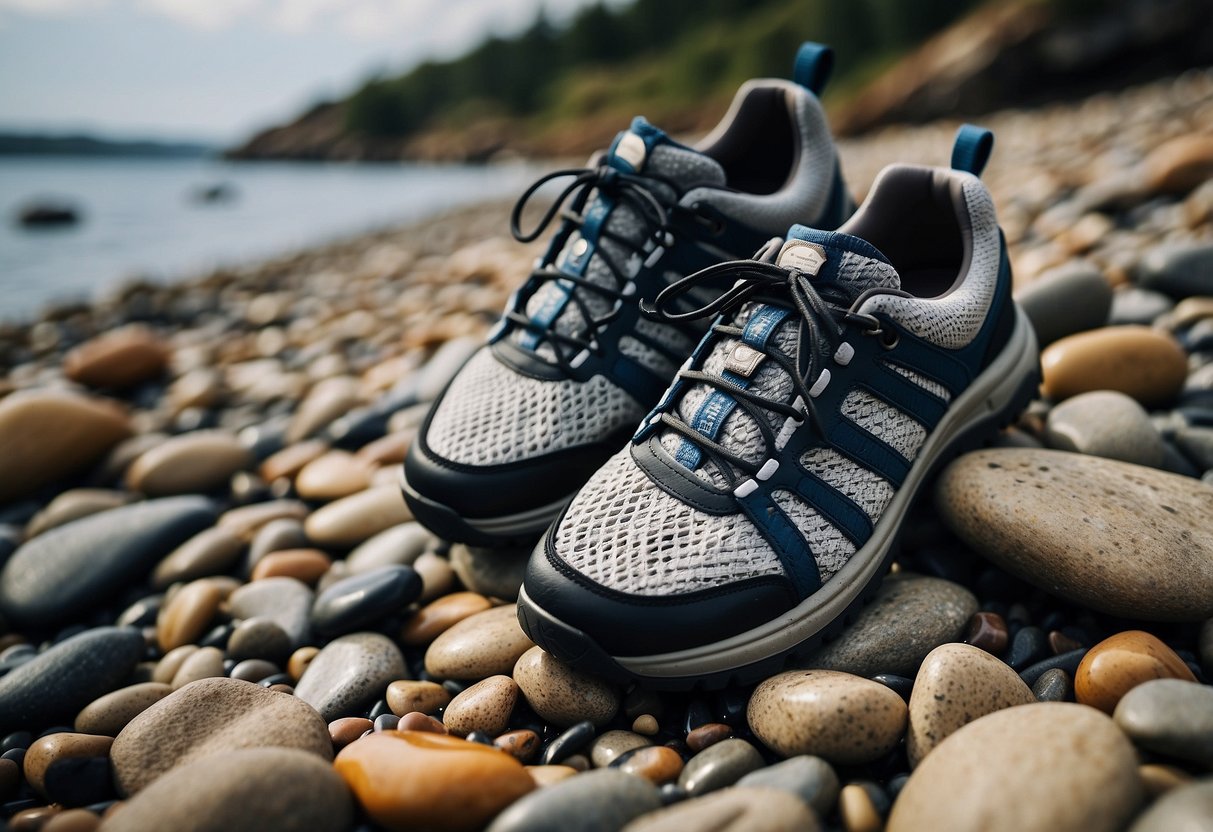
{"x": 632, "y": 149}
{"x": 743, "y": 360}
{"x": 806, "y": 258}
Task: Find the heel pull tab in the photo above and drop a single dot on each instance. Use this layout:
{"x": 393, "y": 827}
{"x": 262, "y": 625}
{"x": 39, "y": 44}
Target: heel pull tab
{"x": 813, "y": 65}
{"x": 971, "y": 150}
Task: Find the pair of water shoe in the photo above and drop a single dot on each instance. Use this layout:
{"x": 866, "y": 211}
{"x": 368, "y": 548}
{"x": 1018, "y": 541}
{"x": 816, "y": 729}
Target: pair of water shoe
{"x": 722, "y": 387}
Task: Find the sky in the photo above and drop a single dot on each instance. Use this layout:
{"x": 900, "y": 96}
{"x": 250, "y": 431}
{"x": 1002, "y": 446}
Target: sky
{"x": 217, "y": 70}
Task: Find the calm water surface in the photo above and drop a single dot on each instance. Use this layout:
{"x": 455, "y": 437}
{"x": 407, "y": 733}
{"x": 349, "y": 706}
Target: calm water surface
{"x": 141, "y": 217}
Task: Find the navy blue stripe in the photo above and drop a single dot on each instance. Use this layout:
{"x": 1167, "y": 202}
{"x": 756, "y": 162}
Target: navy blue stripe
{"x": 790, "y": 547}
{"x": 905, "y": 395}
{"x": 914, "y": 354}
{"x": 869, "y": 451}
{"x": 641, "y": 382}
{"x": 836, "y": 507}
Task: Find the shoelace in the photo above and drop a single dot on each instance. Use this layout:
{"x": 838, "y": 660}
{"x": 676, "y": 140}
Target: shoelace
{"x": 824, "y": 308}
{"x": 638, "y": 191}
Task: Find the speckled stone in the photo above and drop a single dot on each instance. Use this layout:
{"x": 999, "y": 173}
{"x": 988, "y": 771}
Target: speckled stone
{"x": 212, "y": 717}
{"x": 1159, "y": 564}
{"x": 110, "y": 713}
{"x": 408, "y": 780}
{"x": 1120, "y": 663}
{"x": 561, "y": 695}
{"x": 1186, "y": 809}
{"x": 810, "y": 778}
{"x": 350, "y": 672}
{"x": 739, "y": 809}
{"x": 188, "y": 613}
{"x": 345, "y": 523}
{"x": 246, "y": 790}
{"x": 1108, "y": 424}
{"x": 195, "y": 462}
{"x": 957, "y": 684}
{"x": 1170, "y": 717}
{"x": 69, "y": 570}
{"x": 485, "y": 706}
{"x": 611, "y": 744}
{"x": 1051, "y": 765}
{"x": 405, "y": 696}
{"x": 910, "y": 616}
{"x": 1141, "y": 362}
{"x": 496, "y": 573}
{"x": 438, "y": 616}
{"x": 812, "y": 711}
{"x": 54, "y": 685}
{"x": 597, "y": 801}
{"x": 522, "y": 744}
{"x": 718, "y": 766}
{"x": 482, "y": 645}
{"x": 210, "y": 552}
{"x": 46, "y": 435}
{"x": 285, "y": 601}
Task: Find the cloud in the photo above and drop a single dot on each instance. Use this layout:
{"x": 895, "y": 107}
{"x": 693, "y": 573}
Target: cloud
{"x": 206, "y": 14}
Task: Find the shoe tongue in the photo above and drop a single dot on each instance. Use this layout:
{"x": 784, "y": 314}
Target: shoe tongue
{"x": 844, "y": 267}
{"x": 641, "y": 150}
{"x": 850, "y": 263}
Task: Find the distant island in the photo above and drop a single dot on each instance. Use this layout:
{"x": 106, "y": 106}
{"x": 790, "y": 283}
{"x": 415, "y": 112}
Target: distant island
{"x": 37, "y": 144}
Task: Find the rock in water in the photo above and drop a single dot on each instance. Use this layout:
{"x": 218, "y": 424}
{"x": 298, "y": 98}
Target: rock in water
{"x": 61, "y": 574}
{"x": 46, "y": 435}
{"x": 1052, "y": 765}
{"x": 53, "y": 686}
{"x": 213, "y": 717}
{"x": 245, "y": 790}
{"x": 1131, "y": 541}
{"x": 409, "y": 780}
{"x": 350, "y": 672}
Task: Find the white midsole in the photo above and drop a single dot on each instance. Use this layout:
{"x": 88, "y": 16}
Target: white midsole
{"x": 990, "y": 392}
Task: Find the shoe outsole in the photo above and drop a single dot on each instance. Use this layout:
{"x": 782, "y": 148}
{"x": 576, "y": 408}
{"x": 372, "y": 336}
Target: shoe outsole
{"x": 574, "y": 647}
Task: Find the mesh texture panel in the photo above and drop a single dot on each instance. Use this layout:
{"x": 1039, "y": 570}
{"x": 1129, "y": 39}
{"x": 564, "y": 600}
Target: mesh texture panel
{"x": 885, "y": 422}
{"x": 831, "y": 549}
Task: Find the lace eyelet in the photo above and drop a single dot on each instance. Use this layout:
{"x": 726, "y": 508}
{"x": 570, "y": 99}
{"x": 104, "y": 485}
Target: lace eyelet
{"x": 889, "y": 338}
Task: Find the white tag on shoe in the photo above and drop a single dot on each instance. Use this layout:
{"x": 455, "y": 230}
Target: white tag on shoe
{"x": 804, "y": 257}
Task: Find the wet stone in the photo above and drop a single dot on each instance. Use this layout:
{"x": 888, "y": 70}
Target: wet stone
{"x": 485, "y": 706}
{"x": 610, "y": 745}
{"x": 1053, "y": 685}
{"x": 1068, "y": 662}
{"x": 988, "y": 631}
{"x": 522, "y": 744}
{"x": 568, "y": 743}
{"x": 656, "y": 763}
{"x": 1120, "y": 663}
{"x": 405, "y": 696}
{"x": 707, "y": 735}
{"x": 363, "y": 599}
{"x": 718, "y": 766}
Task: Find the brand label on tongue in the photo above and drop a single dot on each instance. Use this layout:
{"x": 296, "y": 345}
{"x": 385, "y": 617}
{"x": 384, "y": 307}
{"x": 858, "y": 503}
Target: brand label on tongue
{"x": 632, "y": 149}
{"x": 804, "y": 257}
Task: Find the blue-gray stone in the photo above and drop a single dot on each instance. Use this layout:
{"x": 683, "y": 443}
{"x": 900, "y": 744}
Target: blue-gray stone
{"x": 810, "y": 778}
{"x": 1065, "y": 300}
{"x": 1179, "y": 270}
{"x": 53, "y": 686}
{"x": 66, "y": 572}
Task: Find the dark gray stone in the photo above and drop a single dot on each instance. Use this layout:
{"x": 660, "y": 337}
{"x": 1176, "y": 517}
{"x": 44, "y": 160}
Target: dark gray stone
{"x": 1070, "y": 298}
{"x": 68, "y": 571}
{"x": 602, "y": 800}
{"x": 1108, "y": 424}
{"x": 1196, "y": 443}
{"x": 1133, "y": 305}
{"x": 259, "y": 638}
{"x": 1053, "y": 685}
{"x": 53, "y": 686}
{"x": 285, "y": 601}
{"x": 354, "y": 602}
{"x": 810, "y": 778}
{"x": 1179, "y": 270}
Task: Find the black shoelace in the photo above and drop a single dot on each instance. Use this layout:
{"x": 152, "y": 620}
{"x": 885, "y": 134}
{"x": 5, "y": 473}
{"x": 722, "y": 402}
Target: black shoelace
{"x": 655, "y": 212}
{"x": 825, "y": 310}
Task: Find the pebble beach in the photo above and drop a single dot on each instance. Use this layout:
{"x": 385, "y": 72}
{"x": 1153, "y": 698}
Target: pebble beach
{"x": 216, "y": 612}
